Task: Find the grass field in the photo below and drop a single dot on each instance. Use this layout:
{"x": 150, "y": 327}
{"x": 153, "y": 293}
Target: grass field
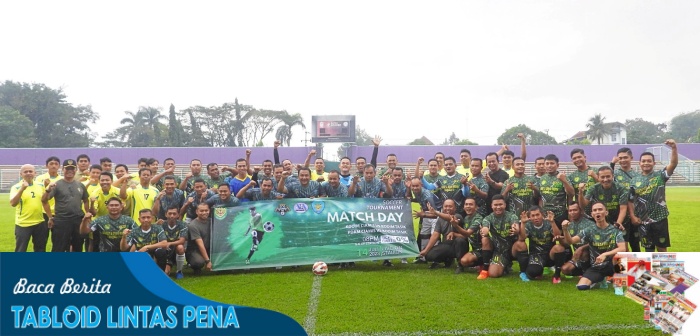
{"x": 412, "y": 300}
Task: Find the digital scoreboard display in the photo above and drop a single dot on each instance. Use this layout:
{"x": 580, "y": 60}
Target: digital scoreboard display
{"x": 338, "y": 128}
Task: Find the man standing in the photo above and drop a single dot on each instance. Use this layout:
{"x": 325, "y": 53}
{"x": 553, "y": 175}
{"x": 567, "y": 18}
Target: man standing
{"x": 306, "y": 187}
{"x": 52, "y": 165}
{"x": 140, "y": 198}
{"x": 426, "y": 200}
{"x": 217, "y": 177}
{"x": 30, "y": 223}
{"x": 539, "y": 167}
{"x": 584, "y": 174}
{"x": 624, "y": 175}
{"x": 241, "y": 179}
{"x": 106, "y": 164}
{"x": 199, "y": 239}
{"x": 452, "y": 185}
{"x": 345, "y": 175}
{"x": 318, "y": 174}
{"x": 109, "y": 228}
{"x": 99, "y": 198}
{"x": 611, "y": 193}
{"x": 604, "y": 241}
{"x": 83, "y": 167}
{"x": 555, "y": 189}
{"x": 370, "y": 186}
{"x": 71, "y": 198}
{"x": 264, "y": 193}
{"x": 187, "y": 184}
{"x": 200, "y": 195}
{"x": 223, "y": 199}
{"x": 451, "y": 245}
{"x": 478, "y": 187}
{"x": 168, "y": 197}
{"x": 648, "y": 200}
{"x": 520, "y": 190}
{"x": 507, "y": 155}
{"x": 168, "y": 170}
{"x": 495, "y": 177}
{"x": 465, "y": 161}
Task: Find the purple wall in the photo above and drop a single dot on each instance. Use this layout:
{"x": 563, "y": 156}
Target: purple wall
{"x": 594, "y": 153}
{"x": 406, "y": 154}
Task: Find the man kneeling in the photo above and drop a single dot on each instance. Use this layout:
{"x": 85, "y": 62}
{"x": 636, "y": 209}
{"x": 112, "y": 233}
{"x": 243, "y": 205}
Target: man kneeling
{"x": 146, "y": 238}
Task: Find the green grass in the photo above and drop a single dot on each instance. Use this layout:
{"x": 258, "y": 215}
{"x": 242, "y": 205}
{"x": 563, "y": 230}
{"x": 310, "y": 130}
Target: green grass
{"x": 412, "y": 299}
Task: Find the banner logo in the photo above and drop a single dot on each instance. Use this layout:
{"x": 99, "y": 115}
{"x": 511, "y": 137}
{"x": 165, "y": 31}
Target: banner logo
{"x": 220, "y": 213}
{"x": 282, "y": 209}
{"x": 318, "y": 206}
{"x": 301, "y": 207}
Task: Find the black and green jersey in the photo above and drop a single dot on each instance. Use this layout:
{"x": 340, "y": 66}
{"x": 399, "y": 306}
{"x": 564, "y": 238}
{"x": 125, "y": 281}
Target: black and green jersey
{"x": 451, "y": 188}
{"x": 499, "y": 230}
{"x": 540, "y": 237}
{"x": 482, "y": 205}
{"x": 473, "y": 223}
{"x": 576, "y": 227}
{"x": 111, "y": 230}
{"x": 522, "y": 197}
{"x": 141, "y": 238}
{"x": 216, "y": 182}
{"x": 553, "y": 194}
{"x": 612, "y": 198}
{"x": 160, "y": 184}
{"x": 179, "y": 230}
{"x": 581, "y": 177}
{"x": 648, "y": 192}
{"x": 625, "y": 177}
{"x": 601, "y": 240}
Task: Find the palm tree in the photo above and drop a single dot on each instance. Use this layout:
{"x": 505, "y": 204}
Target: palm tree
{"x": 151, "y": 118}
{"x": 284, "y": 132}
{"x": 597, "y": 128}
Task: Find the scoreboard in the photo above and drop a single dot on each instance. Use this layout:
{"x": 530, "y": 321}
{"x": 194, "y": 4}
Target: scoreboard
{"x": 333, "y": 128}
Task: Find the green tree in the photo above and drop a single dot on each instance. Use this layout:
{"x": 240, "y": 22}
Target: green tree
{"x": 510, "y": 136}
{"x": 260, "y": 124}
{"x": 284, "y": 131}
{"x": 16, "y": 130}
{"x": 465, "y": 142}
{"x": 685, "y": 126}
{"x": 56, "y": 122}
{"x": 362, "y": 138}
{"x": 176, "y": 134}
{"x": 640, "y": 131}
{"x": 454, "y": 140}
{"x": 422, "y": 141}
{"x": 152, "y": 120}
{"x": 597, "y": 128}
{"x": 197, "y": 138}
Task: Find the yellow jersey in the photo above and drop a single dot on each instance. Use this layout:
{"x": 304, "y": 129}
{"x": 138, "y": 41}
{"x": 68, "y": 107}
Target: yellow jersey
{"x": 40, "y": 180}
{"x": 29, "y": 211}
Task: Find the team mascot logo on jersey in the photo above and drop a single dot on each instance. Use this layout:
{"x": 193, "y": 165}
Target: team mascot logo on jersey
{"x": 220, "y": 213}
{"x": 318, "y": 206}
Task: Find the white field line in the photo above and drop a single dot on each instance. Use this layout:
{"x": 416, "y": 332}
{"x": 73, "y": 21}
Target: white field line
{"x": 515, "y": 331}
{"x": 310, "y": 320}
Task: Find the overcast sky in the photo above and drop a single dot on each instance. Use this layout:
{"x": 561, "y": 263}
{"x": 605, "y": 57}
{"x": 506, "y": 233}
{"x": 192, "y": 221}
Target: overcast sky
{"x": 406, "y": 69}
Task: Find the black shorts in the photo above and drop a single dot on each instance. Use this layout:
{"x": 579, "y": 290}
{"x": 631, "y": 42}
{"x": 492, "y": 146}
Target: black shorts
{"x": 479, "y": 256}
{"x": 579, "y": 266}
{"x": 598, "y": 273}
{"x": 656, "y": 234}
{"x": 502, "y": 258}
{"x": 257, "y": 236}
{"x": 540, "y": 259}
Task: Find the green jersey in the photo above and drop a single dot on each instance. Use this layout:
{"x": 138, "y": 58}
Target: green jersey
{"x": 600, "y": 241}
{"x": 553, "y": 194}
{"x": 140, "y": 238}
{"x": 179, "y": 230}
{"x": 575, "y": 228}
{"x": 581, "y": 177}
{"x": 499, "y": 230}
{"x": 522, "y": 197}
{"x": 111, "y": 231}
{"x": 625, "y": 177}
{"x": 473, "y": 223}
{"x": 540, "y": 237}
{"x": 451, "y": 187}
{"x": 613, "y": 197}
{"x": 482, "y": 205}
{"x": 216, "y": 182}
{"x": 648, "y": 192}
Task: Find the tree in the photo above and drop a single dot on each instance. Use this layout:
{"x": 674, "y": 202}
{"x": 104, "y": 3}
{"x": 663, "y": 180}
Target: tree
{"x": 465, "y": 142}
{"x": 684, "y": 126}
{"x": 640, "y": 131}
{"x": 16, "y": 130}
{"x": 597, "y": 128}
{"x": 56, "y": 122}
{"x": 284, "y": 132}
{"x": 510, "y": 136}
{"x": 176, "y": 134}
{"x": 454, "y": 140}
{"x": 422, "y": 141}
{"x": 197, "y": 138}
{"x": 151, "y": 118}
{"x": 260, "y": 123}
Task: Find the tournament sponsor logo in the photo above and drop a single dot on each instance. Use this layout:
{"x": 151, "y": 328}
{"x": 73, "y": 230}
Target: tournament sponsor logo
{"x": 318, "y": 206}
{"x": 220, "y": 213}
{"x": 282, "y": 209}
{"x": 301, "y": 207}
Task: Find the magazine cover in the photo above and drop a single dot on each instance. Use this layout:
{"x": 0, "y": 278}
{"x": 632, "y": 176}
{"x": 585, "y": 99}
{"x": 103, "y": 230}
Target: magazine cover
{"x": 646, "y": 287}
{"x": 664, "y": 268}
{"x": 675, "y": 314}
{"x": 681, "y": 281}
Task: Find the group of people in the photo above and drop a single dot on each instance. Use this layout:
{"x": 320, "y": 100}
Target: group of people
{"x": 574, "y": 223}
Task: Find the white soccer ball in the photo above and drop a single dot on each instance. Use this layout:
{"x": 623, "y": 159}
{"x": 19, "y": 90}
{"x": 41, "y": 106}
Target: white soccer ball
{"x": 269, "y": 226}
{"x": 320, "y": 268}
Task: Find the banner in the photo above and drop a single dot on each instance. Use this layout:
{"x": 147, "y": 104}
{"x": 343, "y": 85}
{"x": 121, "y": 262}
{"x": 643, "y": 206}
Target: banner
{"x": 115, "y": 294}
{"x": 302, "y": 231}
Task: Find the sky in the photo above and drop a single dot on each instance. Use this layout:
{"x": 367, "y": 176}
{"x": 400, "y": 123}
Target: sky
{"x": 405, "y": 69}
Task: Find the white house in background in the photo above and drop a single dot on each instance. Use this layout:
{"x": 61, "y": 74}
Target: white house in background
{"x": 617, "y": 136}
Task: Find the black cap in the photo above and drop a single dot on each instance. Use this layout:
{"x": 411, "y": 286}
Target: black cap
{"x": 69, "y": 163}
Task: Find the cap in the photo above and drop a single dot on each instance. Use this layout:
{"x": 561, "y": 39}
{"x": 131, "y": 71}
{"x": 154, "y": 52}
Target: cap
{"x": 69, "y": 163}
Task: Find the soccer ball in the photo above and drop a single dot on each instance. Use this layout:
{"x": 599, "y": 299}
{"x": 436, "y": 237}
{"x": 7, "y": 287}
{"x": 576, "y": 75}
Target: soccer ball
{"x": 320, "y": 268}
{"x": 268, "y": 226}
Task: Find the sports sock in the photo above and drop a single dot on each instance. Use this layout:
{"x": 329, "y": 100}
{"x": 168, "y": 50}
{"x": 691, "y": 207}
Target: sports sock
{"x": 559, "y": 260}
{"x": 523, "y": 258}
{"x": 583, "y": 287}
{"x": 486, "y": 256}
{"x": 179, "y": 261}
